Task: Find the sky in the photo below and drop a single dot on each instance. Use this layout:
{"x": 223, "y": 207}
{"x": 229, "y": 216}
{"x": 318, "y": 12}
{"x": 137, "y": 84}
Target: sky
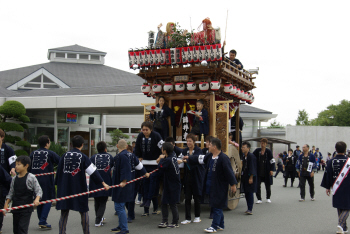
{"x": 301, "y": 47}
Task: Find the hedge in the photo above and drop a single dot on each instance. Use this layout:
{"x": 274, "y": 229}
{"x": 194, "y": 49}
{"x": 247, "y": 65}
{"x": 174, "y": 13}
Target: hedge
{"x": 21, "y": 152}
{"x": 23, "y": 143}
{"x": 12, "y": 109}
{"x": 25, "y": 126}
{"x": 12, "y": 139}
{"x": 7, "y": 127}
{"x": 24, "y": 119}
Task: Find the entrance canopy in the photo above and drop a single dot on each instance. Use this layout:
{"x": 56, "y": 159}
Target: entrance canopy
{"x": 272, "y": 141}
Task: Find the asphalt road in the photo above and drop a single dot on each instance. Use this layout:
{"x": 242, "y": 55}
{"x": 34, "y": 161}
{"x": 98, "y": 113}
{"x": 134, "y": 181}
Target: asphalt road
{"x": 284, "y": 215}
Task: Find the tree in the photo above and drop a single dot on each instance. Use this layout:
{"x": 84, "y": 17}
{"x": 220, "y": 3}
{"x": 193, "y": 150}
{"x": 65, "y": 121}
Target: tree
{"x": 303, "y": 118}
{"x": 275, "y": 124}
{"x": 334, "y": 115}
{"x": 116, "y": 135}
{"x": 14, "y": 112}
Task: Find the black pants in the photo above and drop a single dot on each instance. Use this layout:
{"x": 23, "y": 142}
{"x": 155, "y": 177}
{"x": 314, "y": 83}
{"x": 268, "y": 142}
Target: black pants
{"x": 100, "y": 207}
{"x": 267, "y": 187}
{"x": 279, "y": 169}
{"x": 2, "y": 203}
{"x": 288, "y": 174}
{"x": 21, "y": 222}
{"x": 64, "y": 218}
{"x": 197, "y": 202}
{"x": 310, "y": 181}
{"x": 174, "y": 210}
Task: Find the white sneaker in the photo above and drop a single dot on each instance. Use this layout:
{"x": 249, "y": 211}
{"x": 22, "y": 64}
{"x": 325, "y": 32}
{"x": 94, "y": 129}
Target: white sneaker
{"x": 103, "y": 220}
{"x": 99, "y": 225}
{"x": 137, "y": 202}
{"x": 312, "y": 199}
{"x": 210, "y": 230}
{"x": 258, "y": 202}
{"x": 268, "y": 201}
{"x": 340, "y": 230}
{"x": 197, "y": 220}
{"x": 186, "y": 221}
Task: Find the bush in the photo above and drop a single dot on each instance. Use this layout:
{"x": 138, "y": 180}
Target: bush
{"x": 21, "y": 152}
{"x": 23, "y": 143}
{"x": 25, "y": 126}
{"x": 57, "y": 148}
{"x": 7, "y": 127}
{"x": 12, "y": 109}
{"x": 24, "y": 119}
{"x": 12, "y": 139}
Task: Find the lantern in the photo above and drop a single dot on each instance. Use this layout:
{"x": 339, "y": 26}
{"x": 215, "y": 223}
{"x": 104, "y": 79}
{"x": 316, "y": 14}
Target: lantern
{"x": 191, "y": 86}
{"x": 241, "y": 95}
{"x": 204, "y": 63}
{"x": 157, "y": 88}
{"x": 179, "y": 87}
{"x": 234, "y": 91}
{"x": 168, "y": 87}
{"x": 228, "y": 88}
{"x": 246, "y": 96}
{"x": 215, "y": 85}
{"x": 252, "y": 99}
{"x": 145, "y": 88}
{"x": 238, "y": 92}
{"x": 204, "y": 86}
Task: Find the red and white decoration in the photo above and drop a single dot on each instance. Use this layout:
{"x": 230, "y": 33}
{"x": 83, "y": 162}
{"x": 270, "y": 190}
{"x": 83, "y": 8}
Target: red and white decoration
{"x": 145, "y": 89}
{"x": 215, "y": 85}
{"x": 228, "y": 88}
{"x": 204, "y": 86}
{"x": 157, "y": 88}
{"x": 179, "y": 87}
{"x": 191, "y": 86}
{"x": 168, "y": 88}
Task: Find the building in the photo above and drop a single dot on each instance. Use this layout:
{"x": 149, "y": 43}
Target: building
{"x": 75, "y": 93}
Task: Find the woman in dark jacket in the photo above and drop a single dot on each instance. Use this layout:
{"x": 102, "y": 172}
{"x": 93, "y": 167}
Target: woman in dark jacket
{"x": 160, "y": 118}
{"x": 201, "y": 122}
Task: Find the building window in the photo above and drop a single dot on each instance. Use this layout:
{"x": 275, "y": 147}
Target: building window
{"x": 95, "y": 57}
{"x": 60, "y": 55}
{"x": 135, "y": 130}
{"x": 40, "y": 82}
{"x": 83, "y": 56}
{"x": 72, "y": 56}
{"x": 124, "y": 130}
{"x": 108, "y": 130}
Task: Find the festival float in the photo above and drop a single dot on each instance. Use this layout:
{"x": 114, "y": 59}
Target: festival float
{"x": 186, "y": 66}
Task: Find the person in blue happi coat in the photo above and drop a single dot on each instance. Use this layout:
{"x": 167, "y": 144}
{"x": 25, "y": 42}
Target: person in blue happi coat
{"x": 249, "y": 176}
{"x": 104, "y": 163}
{"x": 219, "y": 176}
{"x": 201, "y": 120}
{"x": 177, "y": 150}
{"x": 43, "y": 161}
{"x": 265, "y": 167}
{"x": 71, "y": 180}
{"x": 336, "y": 180}
{"x": 5, "y": 182}
{"x": 7, "y": 156}
{"x": 306, "y": 168}
{"x": 147, "y": 149}
{"x": 123, "y": 194}
{"x": 137, "y": 170}
{"x": 193, "y": 181}
{"x": 160, "y": 118}
{"x": 168, "y": 165}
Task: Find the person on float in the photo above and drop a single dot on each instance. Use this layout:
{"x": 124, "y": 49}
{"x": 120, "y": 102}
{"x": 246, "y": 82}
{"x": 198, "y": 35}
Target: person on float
{"x": 306, "y": 168}
{"x": 266, "y": 167}
{"x": 336, "y": 180}
{"x": 43, "y": 161}
{"x": 201, "y": 120}
{"x": 193, "y": 181}
{"x": 218, "y": 177}
{"x": 7, "y": 155}
{"x": 147, "y": 149}
{"x": 160, "y": 118}
{"x": 249, "y": 176}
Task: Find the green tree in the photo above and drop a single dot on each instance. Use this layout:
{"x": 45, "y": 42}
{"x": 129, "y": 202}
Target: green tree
{"x": 303, "y": 118}
{"x": 116, "y": 135}
{"x": 15, "y": 112}
{"x": 275, "y": 124}
{"x": 334, "y": 115}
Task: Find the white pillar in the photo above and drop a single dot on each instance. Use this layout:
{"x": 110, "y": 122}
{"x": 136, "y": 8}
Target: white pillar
{"x": 55, "y": 130}
{"x": 255, "y": 131}
{"x": 103, "y": 130}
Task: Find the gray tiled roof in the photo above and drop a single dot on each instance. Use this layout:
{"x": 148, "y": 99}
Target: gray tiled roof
{"x": 77, "y": 48}
{"x": 251, "y": 109}
{"x": 76, "y": 75}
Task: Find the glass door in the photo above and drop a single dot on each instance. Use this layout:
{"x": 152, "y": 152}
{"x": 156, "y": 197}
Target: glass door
{"x": 95, "y": 137}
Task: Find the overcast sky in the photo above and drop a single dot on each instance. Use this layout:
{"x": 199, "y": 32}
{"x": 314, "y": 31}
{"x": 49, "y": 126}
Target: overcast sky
{"x": 301, "y": 47}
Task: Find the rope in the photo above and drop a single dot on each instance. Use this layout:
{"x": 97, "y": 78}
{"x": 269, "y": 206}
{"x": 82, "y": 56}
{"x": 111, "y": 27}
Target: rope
{"x": 72, "y": 196}
{"x": 49, "y": 173}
